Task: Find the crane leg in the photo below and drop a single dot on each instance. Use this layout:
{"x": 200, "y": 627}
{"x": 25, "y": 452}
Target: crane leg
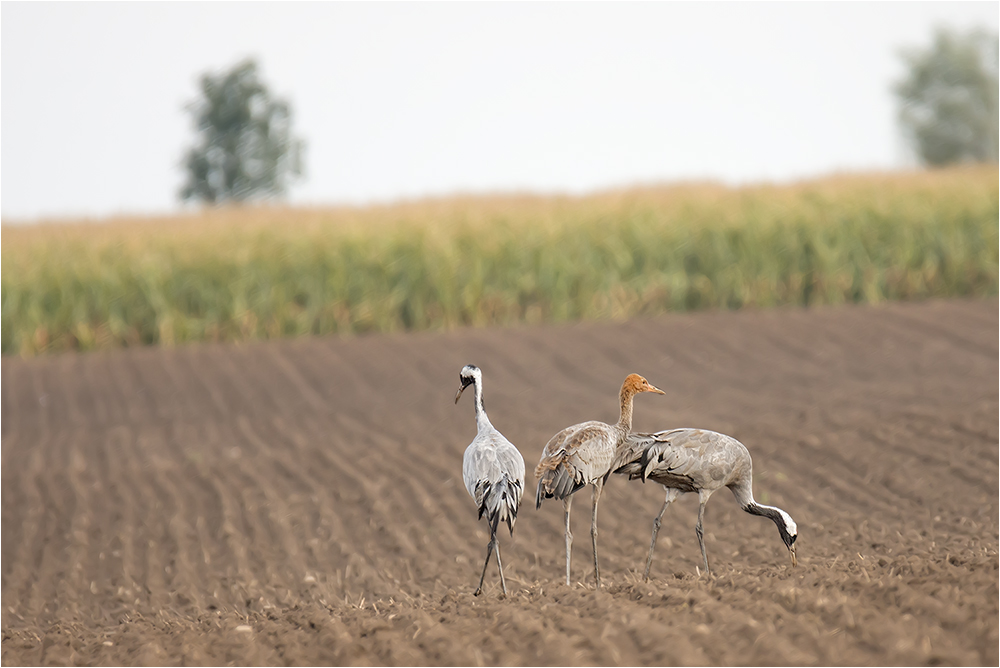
{"x": 569, "y": 537}
{"x": 598, "y": 487}
{"x": 494, "y": 544}
{"x": 702, "y": 500}
{"x": 671, "y": 495}
{"x": 489, "y": 551}
{"x": 503, "y": 583}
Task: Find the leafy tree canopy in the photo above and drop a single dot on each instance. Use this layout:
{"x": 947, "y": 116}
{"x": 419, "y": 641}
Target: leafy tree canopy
{"x": 948, "y": 98}
{"x": 244, "y": 147}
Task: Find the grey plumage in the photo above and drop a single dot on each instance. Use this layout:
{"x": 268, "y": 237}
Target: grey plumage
{"x": 493, "y": 472}
{"x": 702, "y": 461}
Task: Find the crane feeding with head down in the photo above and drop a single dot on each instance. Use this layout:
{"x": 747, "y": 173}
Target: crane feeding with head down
{"x": 702, "y": 461}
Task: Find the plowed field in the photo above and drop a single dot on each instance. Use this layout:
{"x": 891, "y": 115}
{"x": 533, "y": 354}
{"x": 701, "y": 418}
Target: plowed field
{"x": 301, "y": 502}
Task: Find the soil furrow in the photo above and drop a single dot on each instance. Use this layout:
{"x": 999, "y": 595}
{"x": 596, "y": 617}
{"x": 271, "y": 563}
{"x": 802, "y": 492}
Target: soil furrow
{"x": 301, "y": 502}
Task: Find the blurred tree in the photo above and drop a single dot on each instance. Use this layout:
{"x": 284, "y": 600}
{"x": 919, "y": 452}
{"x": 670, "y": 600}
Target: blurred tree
{"x": 948, "y": 99}
{"x": 244, "y": 147}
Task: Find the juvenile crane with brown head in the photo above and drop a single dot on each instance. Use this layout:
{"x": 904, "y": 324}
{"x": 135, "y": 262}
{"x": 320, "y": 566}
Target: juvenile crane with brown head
{"x": 582, "y": 455}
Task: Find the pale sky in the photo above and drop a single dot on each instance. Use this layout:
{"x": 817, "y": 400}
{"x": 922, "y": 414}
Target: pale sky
{"x": 414, "y": 99}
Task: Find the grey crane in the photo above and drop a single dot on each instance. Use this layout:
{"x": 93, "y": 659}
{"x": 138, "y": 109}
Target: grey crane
{"x": 702, "y": 461}
{"x": 582, "y": 455}
{"x": 493, "y": 471}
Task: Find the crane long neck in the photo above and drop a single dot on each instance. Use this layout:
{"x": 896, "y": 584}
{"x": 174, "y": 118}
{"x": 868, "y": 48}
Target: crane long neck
{"x": 482, "y": 421}
{"x": 743, "y": 492}
{"x": 625, "y": 421}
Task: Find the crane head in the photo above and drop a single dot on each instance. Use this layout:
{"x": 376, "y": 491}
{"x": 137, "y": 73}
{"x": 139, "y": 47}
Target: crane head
{"x": 468, "y": 375}
{"x": 634, "y": 384}
{"x": 789, "y": 532}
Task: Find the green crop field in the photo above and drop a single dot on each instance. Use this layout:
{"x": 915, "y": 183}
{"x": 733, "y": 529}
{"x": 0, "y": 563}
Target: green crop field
{"x": 259, "y": 273}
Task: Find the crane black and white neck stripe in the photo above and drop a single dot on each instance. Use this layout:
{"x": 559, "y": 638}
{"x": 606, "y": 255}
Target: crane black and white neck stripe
{"x": 702, "y": 461}
{"x": 493, "y": 472}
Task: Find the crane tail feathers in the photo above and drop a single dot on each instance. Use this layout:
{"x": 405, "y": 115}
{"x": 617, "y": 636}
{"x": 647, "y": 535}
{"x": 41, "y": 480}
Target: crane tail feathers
{"x": 556, "y": 483}
{"x": 499, "y": 502}
{"x": 645, "y": 463}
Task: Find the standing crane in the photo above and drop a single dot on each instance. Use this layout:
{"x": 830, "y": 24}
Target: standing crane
{"x": 582, "y": 455}
{"x": 493, "y": 471}
{"x": 702, "y": 461}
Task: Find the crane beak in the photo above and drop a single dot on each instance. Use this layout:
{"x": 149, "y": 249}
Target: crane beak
{"x": 460, "y": 390}
{"x": 653, "y": 388}
{"x": 791, "y": 551}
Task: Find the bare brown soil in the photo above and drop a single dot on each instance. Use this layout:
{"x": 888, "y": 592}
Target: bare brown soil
{"x": 302, "y": 503}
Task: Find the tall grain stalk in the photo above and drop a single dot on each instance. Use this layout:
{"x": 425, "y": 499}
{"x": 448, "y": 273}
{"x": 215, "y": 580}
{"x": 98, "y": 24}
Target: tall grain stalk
{"x": 239, "y": 275}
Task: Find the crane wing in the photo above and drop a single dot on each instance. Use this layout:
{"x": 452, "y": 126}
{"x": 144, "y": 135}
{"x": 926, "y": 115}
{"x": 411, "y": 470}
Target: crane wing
{"x": 511, "y": 462}
{"x": 629, "y": 454}
{"x": 707, "y": 458}
{"x": 493, "y": 472}
{"x": 573, "y": 458}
